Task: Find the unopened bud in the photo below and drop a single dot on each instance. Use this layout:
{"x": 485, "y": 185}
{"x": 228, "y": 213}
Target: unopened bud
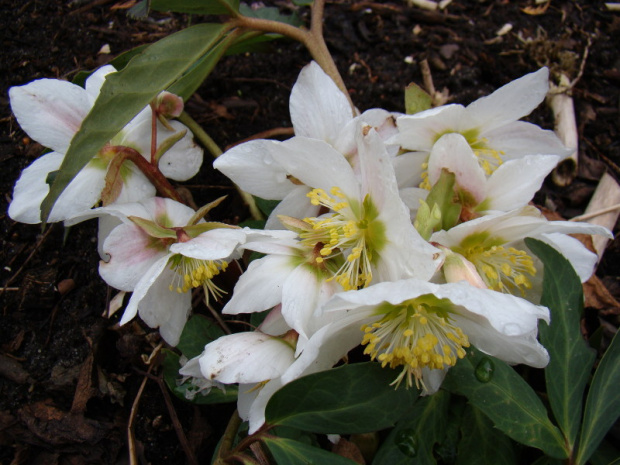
{"x": 168, "y": 105}
{"x": 457, "y": 268}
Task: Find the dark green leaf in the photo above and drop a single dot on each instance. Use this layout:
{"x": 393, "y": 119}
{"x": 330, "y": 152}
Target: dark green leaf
{"x": 354, "y": 398}
{"x": 502, "y": 395}
{"x": 119, "y": 63}
{"x": 481, "y": 443}
{"x": 289, "y": 452}
{"x": 571, "y": 358}
{"x": 416, "y": 99}
{"x": 202, "y": 7}
{"x": 126, "y": 93}
{"x": 197, "y": 333}
{"x": 411, "y": 441}
{"x": 266, "y": 206}
{"x": 605, "y": 454}
{"x": 187, "y": 391}
{"x": 303, "y": 2}
{"x": 603, "y": 402}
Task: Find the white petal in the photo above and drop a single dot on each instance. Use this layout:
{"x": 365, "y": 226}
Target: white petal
{"x": 132, "y": 252}
{"x": 31, "y": 188}
{"x": 510, "y": 102}
{"x": 249, "y": 357}
{"x": 143, "y": 286}
{"x": 252, "y": 167}
{"x": 515, "y": 182}
{"x": 136, "y": 186}
{"x": 316, "y": 164}
{"x": 515, "y": 140}
{"x": 318, "y": 108}
{"x": 95, "y": 81}
{"x": 50, "y": 111}
{"x": 452, "y": 152}
{"x": 576, "y": 253}
{"x": 301, "y": 296}
{"x": 260, "y": 287}
{"x": 274, "y": 323}
{"x": 420, "y": 131}
{"x": 216, "y": 244}
{"x": 295, "y": 204}
{"x": 408, "y": 168}
{"x": 164, "y": 309}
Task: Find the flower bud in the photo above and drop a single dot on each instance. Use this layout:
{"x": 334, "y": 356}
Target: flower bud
{"x": 457, "y": 268}
{"x": 168, "y": 105}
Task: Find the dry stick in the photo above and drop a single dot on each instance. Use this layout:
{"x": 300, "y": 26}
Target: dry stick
{"x": 131, "y": 440}
{"x": 565, "y": 125}
{"x": 191, "y": 458}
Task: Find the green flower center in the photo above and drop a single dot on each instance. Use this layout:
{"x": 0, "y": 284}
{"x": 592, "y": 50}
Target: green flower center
{"x": 415, "y": 334}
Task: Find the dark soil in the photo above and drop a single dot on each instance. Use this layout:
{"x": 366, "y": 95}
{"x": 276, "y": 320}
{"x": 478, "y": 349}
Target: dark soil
{"x": 68, "y": 376}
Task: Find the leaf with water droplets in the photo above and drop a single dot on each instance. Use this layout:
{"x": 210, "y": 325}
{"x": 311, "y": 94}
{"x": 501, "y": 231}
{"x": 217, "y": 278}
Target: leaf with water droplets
{"x": 508, "y": 401}
{"x": 411, "y": 441}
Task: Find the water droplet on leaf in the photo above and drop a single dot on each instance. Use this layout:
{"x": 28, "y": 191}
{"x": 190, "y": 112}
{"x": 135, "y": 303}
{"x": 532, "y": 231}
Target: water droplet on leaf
{"x": 484, "y": 370}
{"x": 407, "y": 442}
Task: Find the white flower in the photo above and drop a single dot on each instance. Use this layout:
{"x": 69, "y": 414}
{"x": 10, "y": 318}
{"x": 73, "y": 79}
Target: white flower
{"x": 489, "y": 125}
{"x": 509, "y": 187}
{"x": 424, "y": 327}
{"x": 319, "y": 111}
{"x": 51, "y": 112}
{"x": 494, "y": 244}
{"x": 159, "y": 257}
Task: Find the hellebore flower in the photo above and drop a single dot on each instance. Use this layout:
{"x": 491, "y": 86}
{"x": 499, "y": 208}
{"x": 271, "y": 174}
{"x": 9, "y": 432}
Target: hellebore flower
{"x": 489, "y": 124}
{"x": 509, "y": 187}
{"x": 425, "y": 328}
{"x": 494, "y": 245}
{"x": 160, "y": 253}
{"x": 319, "y": 111}
{"x": 51, "y": 112}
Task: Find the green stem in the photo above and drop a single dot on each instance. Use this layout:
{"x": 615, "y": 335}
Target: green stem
{"x": 228, "y": 439}
{"x": 216, "y": 151}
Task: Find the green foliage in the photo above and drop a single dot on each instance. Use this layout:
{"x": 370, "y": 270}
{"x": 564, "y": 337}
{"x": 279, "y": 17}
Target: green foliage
{"x": 412, "y": 440}
{"x": 603, "y": 402}
{"x": 502, "y": 395}
{"x": 203, "y": 7}
{"x": 126, "y": 93}
{"x": 354, "y": 398}
{"x": 290, "y": 452}
{"x": 270, "y": 13}
{"x": 197, "y": 333}
{"x": 416, "y": 99}
{"x": 571, "y": 358}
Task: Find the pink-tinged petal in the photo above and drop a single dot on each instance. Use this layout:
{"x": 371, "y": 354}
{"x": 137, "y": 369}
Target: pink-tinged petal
{"x": 452, "y": 152}
{"x": 295, "y": 204}
{"x": 510, "y": 102}
{"x": 515, "y": 182}
{"x": 252, "y": 167}
{"x": 132, "y": 252}
{"x": 420, "y": 131}
{"x": 105, "y": 225}
{"x": 515, "y": 140}
{"x": 319, "y": 109}
{"x": 95, "y": 81}
{"x": 50, "y": 111}
{"x": 260, "y": 287}
{"x": 165, "y": 309}
{"x": 143, "y": 286}
{"x": 249, "y": 357}
{"x": 31, "y": 188}
{"x": 316, "y": 164}
{"x": 216, "y": 244}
